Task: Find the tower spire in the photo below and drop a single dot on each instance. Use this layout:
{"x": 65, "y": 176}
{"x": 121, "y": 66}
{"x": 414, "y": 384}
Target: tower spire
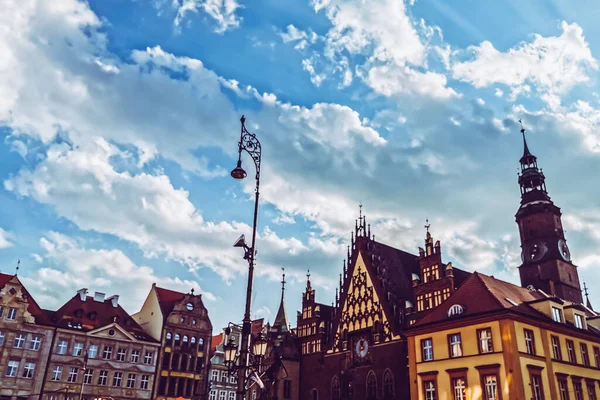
{"x": 531, "y": 179}
{"x": 587, "y": 298}
{"x": 281, "y": 320}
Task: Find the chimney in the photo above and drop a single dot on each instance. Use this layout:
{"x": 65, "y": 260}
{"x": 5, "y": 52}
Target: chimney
{"x": 99, "y": 297}
{"x": 114, "y": 299}
{"x": 82, "y": 293}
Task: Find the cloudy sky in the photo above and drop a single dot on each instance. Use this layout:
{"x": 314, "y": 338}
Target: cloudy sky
{"x": 120, "y": 119}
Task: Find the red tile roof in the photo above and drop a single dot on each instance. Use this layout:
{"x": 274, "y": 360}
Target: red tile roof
{"x": 167, "y": 299}
{"x": 90, "y": 314}
{"x": 216, "y": 340}
{"x": 483, "y": 294}
{"x": 33, "y": 308}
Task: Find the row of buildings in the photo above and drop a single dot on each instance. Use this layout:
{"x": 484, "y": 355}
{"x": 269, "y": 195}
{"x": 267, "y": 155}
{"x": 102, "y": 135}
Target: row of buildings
{"x": 411, "y": 326}
{"x": 92, "y": 348}
{"x": 401, "y": 326}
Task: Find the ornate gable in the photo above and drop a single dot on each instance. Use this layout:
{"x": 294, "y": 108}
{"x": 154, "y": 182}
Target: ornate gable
{"x": 112, "y": 331}
{"x": 361, "y": 308}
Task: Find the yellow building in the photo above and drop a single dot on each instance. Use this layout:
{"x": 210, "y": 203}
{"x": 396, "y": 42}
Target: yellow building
{"x": 493, "y": 340}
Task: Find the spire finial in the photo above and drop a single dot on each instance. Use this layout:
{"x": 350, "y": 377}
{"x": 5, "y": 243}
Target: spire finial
{"x": 282, "y": 281}
{"x": 360, "y": 210}
{"x": 522, "y": 127}
{"x": 192, "y": 291}
{"x": 587, "y": 299}
{"x": 427, "y": 224}
{"x": 308, "y": 274}
{"x": 18, "y": 264}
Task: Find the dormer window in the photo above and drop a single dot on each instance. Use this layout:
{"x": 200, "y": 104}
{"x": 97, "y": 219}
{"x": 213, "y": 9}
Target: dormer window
{"x": 456, "y": 309}
{"x": 557, "y": 314}
{"x": 579, "y": 321}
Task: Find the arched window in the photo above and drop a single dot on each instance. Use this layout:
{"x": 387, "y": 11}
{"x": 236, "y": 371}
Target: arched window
{"x": 335, "y": 389}
{"x": 169, "y": 336}
{"x": 185, "y": 339}
{"x": 193, "y": 340}
{"x": 177, "y": 339}
{"x": 371, "y": 386}
{"x": 314, "y": 394}
{"x": 456, "y": 309}
{"x": 388, "y": 385}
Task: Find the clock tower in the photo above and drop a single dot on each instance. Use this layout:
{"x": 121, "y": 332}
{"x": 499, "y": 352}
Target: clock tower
{"x": 546, "y": 260}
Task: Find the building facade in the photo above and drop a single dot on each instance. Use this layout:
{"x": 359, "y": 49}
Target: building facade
{"x": 181, "y": 324}
{"x": 25, "y": 341}
{"x": 223, "y": 385}
{"x": 99, "y": 351}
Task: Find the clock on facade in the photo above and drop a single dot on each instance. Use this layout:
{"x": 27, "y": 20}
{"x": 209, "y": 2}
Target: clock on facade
{"x": 361, "y": 349}
{"x": 189, "y": 306}
{"x": 563, "y": 249}
{"x": 534, "y": 251}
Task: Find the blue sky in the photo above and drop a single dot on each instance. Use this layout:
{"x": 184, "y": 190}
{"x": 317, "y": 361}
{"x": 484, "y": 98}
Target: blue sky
{"x": 120, "y": 120}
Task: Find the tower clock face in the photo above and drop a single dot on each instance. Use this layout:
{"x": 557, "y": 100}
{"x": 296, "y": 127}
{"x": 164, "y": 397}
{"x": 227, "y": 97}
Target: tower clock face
{"x": 563, "y": 249}
{"x": 534, "y": 251}
{"x": 361, "y": 349}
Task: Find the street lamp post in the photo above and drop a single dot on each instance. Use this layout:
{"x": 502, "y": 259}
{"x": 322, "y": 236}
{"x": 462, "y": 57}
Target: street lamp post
{"x": 250, "y": 144}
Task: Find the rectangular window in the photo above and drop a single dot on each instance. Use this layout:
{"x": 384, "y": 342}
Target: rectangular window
{"x": 591, "y": 389}
{"x": 1, "y": 311}
{"x": 87, "y": 377}
{"x": 145, "y": 380}
{"x": 445, "y": 293}
{"x": 556, "y": 352}
{"x": 437, "y": 298}
{"x": 11, "y": 369}
{"x": 62, "y": 347}
{"x": 212, "y": 395}
{"x": 121, "y": 354}
{"x": 420, "y": 303}
{"x": 117, "y": 378}
{"x": 222, "y": 394}
{"x": 529, "y": 341}
{"x": 536, "y": 387}
{"x": 102, "y": 378}
{"x": 214, "y": 375}
{"x": 597, "y": 356}
{"x": 563, "y": 389}
{"x": 77, "y": 349}
{"x": 12, "y": 314}
{"x": 28, "y": 370}
{"x": 135, "y": 356}
{"x": 426, "y": 274}
{"x": 428, "y": 301}
{"x": 131, "y": 381}
{"x": 148, "y": 358}
{"x": 93, "y": 351}
{"x": 459, "y": 389}
{"x": 427, "y": 349}
{"x": 287, "y": 389}
{"x": 571, "y": 352}
{"x": 35, "y": 343}
{"x": 19, "y": 341}
{"x": 490, "y": 387}
{"x": 454, "y": 345}
{"x": 578, "y": 321}
{"x": 557, "y": 314}
{"x": 435, "y": 272}
{"x": 485, "y": 340}
{"x": 577, "y": 390}
{"x": 585, "y": 357}
{"x": 1, "y": 338}
{"x": 430, "y": 392}
{"x": 232, "y": 396}
{"x": 107, "y": 353}
{"x": 56, "y": 373}
{"x": 72, "y": 375}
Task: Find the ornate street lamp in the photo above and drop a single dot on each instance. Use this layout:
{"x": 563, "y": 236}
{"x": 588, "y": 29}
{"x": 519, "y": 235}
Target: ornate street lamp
{"x": 250, "y": 144}
{"x": 260, "y": 346}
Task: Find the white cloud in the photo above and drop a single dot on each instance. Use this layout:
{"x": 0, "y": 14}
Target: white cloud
{"x": 6, "y": 239}
{"x": 222, "y": 11}
{"x": 73, "y": 266}
{"x": 498, "y": 92}
{"x": 301, "y": 38}
{"x": 551, "y": 64}
{"x": 315, "y": 78}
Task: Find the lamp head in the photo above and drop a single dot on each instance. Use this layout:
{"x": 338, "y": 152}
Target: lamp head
{"x": 238, "y": 172}
{"x": 241, "y": 242}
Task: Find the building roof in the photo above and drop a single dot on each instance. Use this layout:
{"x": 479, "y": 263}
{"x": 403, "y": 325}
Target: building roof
{"x": 483, "y": 294}
{"x": 33, "y": 308}
{"x": 216, "y": 340}
{"x": 168, "y": 299}
{"x": 90, "y": 314}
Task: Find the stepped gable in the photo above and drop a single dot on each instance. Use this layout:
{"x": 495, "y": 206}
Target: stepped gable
{"x": 34, "y": 309}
